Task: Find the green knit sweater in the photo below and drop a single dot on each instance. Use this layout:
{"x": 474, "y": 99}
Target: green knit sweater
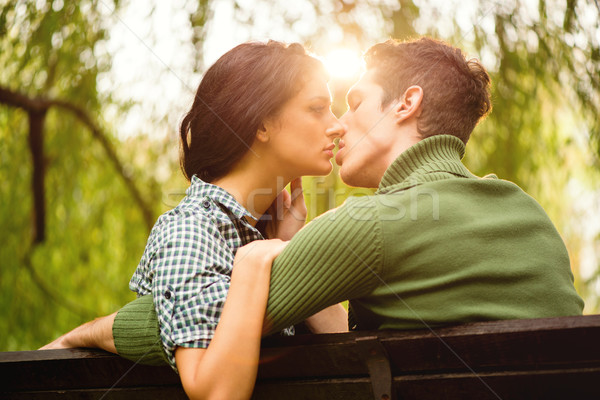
{"x": 435, "y": 245}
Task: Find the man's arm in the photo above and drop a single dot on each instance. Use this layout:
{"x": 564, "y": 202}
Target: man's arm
{"x": 96, "y": 333}
{"x": 337, "y": 256}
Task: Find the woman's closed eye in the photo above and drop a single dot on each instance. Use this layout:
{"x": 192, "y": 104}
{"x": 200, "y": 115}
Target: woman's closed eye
{"x": 321, "y": 109}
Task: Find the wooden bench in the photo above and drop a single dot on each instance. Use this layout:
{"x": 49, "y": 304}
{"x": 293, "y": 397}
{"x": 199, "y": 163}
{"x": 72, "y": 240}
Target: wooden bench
{"x": 554, "y": 358}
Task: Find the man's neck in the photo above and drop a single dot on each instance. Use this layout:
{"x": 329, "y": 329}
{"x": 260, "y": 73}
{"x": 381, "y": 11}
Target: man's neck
{"x": 404, "y": 142}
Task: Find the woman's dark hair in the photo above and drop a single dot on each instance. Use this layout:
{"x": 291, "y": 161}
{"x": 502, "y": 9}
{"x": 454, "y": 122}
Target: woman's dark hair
{"x": 247, "y": 85}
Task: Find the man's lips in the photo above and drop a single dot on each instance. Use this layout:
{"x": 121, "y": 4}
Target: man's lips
{"x": 338, "y": 156}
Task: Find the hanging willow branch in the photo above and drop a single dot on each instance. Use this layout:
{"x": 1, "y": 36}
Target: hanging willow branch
{"x": 36, "y": 146}
{"x": 36, "y": 109}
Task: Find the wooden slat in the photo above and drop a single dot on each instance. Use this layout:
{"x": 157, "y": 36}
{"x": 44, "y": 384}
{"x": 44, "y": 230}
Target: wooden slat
{"x": 135, "y": 393}
{"x": 524, "y": 359}
{"x": 559, "y": 384}
{"x": 515, "y": 343}
{"x": 77, "y": 369}
{"x": 330, "y": 389}
{"x": 507, "y": 344}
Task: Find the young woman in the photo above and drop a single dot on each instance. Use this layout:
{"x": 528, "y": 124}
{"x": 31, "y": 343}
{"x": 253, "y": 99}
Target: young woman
{"x": 260, "y": 119}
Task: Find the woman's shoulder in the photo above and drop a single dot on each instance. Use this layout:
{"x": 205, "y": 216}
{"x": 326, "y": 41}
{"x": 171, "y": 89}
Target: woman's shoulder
{"x": 186, "y": 218}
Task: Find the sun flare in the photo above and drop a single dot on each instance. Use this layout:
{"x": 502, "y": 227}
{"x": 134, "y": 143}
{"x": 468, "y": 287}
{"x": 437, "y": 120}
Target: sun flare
{"x": 343, "y": 63}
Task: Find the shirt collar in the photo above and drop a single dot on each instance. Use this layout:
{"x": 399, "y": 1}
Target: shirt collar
{"x": 199, "y": 188}
{"x": 420, "y": 162}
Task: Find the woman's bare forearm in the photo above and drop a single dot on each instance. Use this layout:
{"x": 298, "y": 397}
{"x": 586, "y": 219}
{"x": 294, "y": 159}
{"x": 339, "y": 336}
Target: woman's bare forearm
{"x": 227, "y": 368}
{"x": 332, "y": 319}
{"x": 96, "y": 334}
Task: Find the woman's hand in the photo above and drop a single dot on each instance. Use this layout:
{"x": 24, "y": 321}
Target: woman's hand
{"x": 257, "y": 254}
{"x": 333, "y": 319}
{"x": 288, "y": 212}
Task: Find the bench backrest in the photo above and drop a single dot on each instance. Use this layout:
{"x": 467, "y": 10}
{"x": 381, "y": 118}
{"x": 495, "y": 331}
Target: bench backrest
{"x": 555, "y": 358}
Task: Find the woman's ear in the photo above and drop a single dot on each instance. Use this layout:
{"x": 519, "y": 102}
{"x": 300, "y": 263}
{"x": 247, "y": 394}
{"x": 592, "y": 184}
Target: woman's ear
{"x": 262, "y": 135}
{"x": 410, "y": 104}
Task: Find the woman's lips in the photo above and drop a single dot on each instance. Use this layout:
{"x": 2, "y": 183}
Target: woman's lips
{"x": 329, "y": 150}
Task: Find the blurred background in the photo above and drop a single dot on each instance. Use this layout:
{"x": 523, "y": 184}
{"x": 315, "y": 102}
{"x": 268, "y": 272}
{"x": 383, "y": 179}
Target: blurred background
{"x": 92, "y": 91}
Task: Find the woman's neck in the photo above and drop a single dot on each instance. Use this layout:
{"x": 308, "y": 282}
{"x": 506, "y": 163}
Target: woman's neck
{"x": 254, "y": 189}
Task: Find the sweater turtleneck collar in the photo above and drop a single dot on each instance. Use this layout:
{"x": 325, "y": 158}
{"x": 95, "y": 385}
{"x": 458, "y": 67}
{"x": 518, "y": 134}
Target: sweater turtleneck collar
{"x": 421, "y": 162}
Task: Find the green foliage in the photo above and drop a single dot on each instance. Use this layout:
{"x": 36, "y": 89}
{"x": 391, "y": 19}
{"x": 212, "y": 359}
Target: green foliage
{"x": 544, "y": 130}
{"x": 544, "y": 134}
{"x": 95, "y": 232}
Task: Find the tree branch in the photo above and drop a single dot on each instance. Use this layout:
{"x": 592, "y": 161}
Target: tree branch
{"x": 85, "y": 118}
{"x": 42, "y": 104}
{"x": 59, "y": 299}
{"x": 36, "y": 146}
{"x": 19, "y": 100}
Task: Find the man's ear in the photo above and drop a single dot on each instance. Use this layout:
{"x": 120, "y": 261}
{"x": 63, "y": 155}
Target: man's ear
{"x": 410, "y": 104}
{"x": 262, "y": 135}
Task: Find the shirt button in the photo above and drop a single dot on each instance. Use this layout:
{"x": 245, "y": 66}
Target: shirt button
{"x": 206, "y": 204}
{"x": 167, "y": 294}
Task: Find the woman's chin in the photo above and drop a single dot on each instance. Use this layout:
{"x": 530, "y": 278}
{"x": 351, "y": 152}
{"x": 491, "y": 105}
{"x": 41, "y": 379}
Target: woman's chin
{"x": 325, "y": 169}
{"x": 317, "y": 169}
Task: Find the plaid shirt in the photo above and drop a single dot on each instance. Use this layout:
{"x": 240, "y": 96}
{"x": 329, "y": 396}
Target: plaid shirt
{"x": 187, "y": 264}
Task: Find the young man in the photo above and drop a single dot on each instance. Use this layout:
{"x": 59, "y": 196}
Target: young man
{"x": 435, "y": 245}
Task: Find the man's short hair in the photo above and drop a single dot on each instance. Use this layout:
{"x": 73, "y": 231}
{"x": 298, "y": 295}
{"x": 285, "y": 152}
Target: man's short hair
{"x": 456, "y": 91}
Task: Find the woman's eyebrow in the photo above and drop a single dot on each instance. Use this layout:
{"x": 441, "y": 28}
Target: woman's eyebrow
{"x": 324, "y": 98}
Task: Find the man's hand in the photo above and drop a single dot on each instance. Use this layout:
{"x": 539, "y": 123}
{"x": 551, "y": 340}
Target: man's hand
{"x": 288, "y": 213}
{"x": 96, "y": 334}
{"x": 59, "y": 343}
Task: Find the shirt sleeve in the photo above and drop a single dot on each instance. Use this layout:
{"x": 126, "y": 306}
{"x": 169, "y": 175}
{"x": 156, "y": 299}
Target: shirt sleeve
{"x": 191, "y": 278}
{"x": 336, "y": 257}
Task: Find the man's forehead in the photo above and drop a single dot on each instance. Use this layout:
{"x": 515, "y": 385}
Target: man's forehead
{"x": 364, "y": 83}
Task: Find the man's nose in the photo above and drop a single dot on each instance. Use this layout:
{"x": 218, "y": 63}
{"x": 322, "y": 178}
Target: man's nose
{"x": 337, "y": 129}
{"x": 342, "y": 121}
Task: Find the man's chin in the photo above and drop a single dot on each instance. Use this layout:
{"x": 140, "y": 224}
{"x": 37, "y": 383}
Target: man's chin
{"x": 346, "y": 176}
{"x": 356, "y": 178}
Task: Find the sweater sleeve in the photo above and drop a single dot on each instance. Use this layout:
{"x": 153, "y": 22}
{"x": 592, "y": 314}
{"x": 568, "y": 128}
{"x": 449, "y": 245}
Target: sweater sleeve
{"x": 136, "y": 333}
{"x": 336, "y": 257}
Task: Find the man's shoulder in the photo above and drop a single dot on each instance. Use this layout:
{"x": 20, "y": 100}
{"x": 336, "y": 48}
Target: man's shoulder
{"x": 464, "y": 186}
{"x": 355, "y": 208}
{"x": 356, "y": 214}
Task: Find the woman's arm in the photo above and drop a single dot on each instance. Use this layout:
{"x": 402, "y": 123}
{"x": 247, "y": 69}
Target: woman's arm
{"x": 96, "y": 333}
{"x": 227, "y": 368}
{"x": 333, "y": 319}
